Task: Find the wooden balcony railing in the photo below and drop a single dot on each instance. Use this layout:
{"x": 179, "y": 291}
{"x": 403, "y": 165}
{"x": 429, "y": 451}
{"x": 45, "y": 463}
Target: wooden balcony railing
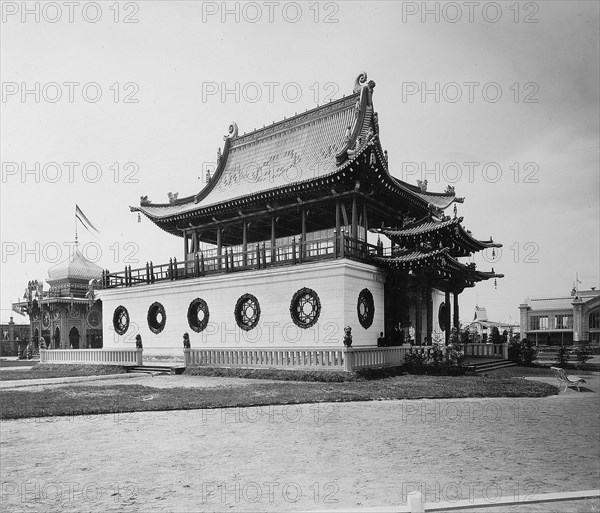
{"x": 257, "y": 256}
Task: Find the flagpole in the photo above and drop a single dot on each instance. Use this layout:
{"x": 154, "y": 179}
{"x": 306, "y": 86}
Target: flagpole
{"x": 76, "y": 241}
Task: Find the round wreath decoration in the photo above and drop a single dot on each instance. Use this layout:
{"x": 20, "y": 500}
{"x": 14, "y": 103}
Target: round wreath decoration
{"x": 198, "y": 315}
{"x": 305, "y": 308}
{"x": 247, "y": 312}
{"x": 157, "y": 317}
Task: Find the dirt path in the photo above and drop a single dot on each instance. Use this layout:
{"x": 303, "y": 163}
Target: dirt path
{"x": 302, "y": 457}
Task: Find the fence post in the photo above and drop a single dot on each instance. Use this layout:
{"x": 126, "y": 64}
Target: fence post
{"x": 186, "y": 356}
{"x": 505, "y": 351}
{"x": 415, "y": 502}
{"x": 43, "y": 355}
{"x": 348, "y": 359}
{"x": 139, "y": 357}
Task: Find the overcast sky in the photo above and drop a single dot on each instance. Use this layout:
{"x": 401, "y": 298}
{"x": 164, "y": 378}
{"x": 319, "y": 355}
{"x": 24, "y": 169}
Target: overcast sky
{"x": 511, "y": 120}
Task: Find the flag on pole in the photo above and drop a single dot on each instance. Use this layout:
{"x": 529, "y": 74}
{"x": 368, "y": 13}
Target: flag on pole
{"x": 85, "y": 221}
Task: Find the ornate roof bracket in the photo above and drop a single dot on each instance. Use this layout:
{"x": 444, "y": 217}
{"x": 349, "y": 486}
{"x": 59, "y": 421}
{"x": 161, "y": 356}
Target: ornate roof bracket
{"x": 350, "y": 148}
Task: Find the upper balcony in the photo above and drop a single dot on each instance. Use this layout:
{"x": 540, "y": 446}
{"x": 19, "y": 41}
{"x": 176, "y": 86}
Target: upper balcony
{"x": 255, "y": 256}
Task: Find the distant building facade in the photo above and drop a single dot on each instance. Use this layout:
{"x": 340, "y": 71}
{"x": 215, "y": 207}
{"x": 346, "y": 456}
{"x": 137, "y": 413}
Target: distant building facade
{"x": 562, "y": 320}
{"x": 67, "y": 315}
{"x": 481, "y": 327}
{"x": 14, "y": 337}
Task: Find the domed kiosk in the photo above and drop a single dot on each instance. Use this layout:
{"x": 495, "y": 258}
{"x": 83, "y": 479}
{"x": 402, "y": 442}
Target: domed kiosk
{"x": 68, "y": 314}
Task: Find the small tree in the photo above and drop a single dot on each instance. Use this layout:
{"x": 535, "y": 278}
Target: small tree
{"x": 464, "y": 336}
{"x": 495, "y": 335}
{"x": 527, "y": 353}
{"x": 504, "y": 337}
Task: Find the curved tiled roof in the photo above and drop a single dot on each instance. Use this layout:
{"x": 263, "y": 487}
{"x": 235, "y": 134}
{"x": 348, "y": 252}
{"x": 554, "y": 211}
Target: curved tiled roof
{"x": 417, "y": 229}
{"x": 289, "y": 152}
{"x": 442, "y": 228}
{"x": 76, "y": 267}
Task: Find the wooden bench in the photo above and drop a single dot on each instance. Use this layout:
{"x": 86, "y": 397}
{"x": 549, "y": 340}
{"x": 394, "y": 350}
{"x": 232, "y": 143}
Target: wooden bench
{"x": 568, "y": 381}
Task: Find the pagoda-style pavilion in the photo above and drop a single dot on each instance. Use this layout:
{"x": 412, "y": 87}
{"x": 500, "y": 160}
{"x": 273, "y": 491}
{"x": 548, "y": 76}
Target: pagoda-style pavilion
{"x": 276, "y": 247}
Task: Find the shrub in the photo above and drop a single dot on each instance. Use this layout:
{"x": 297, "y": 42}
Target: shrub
{"x": 521, "y": 352}
{"x": 583, "y": 355}
{"x": 527, "y": 352}
{"x": 562, "y": 356}
{"x": 436, "y": 363}
{"x": 415, "y": 363}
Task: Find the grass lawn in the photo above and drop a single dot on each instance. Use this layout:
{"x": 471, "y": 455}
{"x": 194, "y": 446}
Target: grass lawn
{"x": 518, "y": 372}
{"x": 49, "y": 370}
{"x": 17, "y": 363}
{"x": 86, "y": 400}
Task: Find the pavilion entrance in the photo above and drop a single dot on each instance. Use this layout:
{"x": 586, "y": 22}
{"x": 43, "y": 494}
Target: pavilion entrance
{"x": 74, "y": 338}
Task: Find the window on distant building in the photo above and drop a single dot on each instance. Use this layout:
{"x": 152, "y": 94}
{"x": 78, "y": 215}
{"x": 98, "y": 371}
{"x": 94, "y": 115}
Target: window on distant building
{"x": 563, "y": 322}
{"x": 539, "y": 322}
{"x": 595, "y": 320}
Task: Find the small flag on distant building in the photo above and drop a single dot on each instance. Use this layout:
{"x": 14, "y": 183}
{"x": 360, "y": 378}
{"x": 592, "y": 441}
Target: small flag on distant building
{"x": 85, "y": 221}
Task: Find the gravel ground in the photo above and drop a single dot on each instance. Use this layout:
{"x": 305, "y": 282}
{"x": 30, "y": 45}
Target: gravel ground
{"x": 304, "y": 457}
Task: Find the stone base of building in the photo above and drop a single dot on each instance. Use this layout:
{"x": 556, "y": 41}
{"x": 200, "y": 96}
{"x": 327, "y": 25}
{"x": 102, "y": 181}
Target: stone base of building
{"x": 280, "y": 314}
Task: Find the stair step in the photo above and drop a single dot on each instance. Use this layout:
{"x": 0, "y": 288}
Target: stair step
{"x": 488, "y": 366}
{"x": 155, "y": 369}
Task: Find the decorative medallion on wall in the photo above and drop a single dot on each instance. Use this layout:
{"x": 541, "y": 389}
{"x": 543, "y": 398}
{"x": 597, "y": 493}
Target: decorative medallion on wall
{"x": 157, "y": 317}
{"x": 198, "y": 315}
{"x": 121, "y": 320}
{"x": 56, "y": 314}
{"x": 305, "y": 308}
{"x": 36, "y": 316}
{"x": 45, "y": 319}
{"x": 94, "y": 319}
{"x": 442, "y": 313}
{"x": 365, "y": 308}
{"x": 74, "y": 312}
{"x": 247, "y": 312}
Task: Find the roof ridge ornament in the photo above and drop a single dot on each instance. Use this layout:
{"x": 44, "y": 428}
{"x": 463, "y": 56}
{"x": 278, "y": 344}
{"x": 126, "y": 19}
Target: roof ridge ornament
{"x": 360, "y": 81}
{"x": 233, "y": 131}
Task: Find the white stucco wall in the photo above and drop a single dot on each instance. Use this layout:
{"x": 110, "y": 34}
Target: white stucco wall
{"x": 337, "y": 283}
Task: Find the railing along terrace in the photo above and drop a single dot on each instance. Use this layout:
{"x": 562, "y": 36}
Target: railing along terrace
{"x": 256, "y": 256}
{"x": 322, "y": 358}
{"x": 92, "y": 356}
{"x": 489, "y": 350}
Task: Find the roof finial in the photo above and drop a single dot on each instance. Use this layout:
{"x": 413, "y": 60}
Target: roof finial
{"x": 360, "y": 80}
